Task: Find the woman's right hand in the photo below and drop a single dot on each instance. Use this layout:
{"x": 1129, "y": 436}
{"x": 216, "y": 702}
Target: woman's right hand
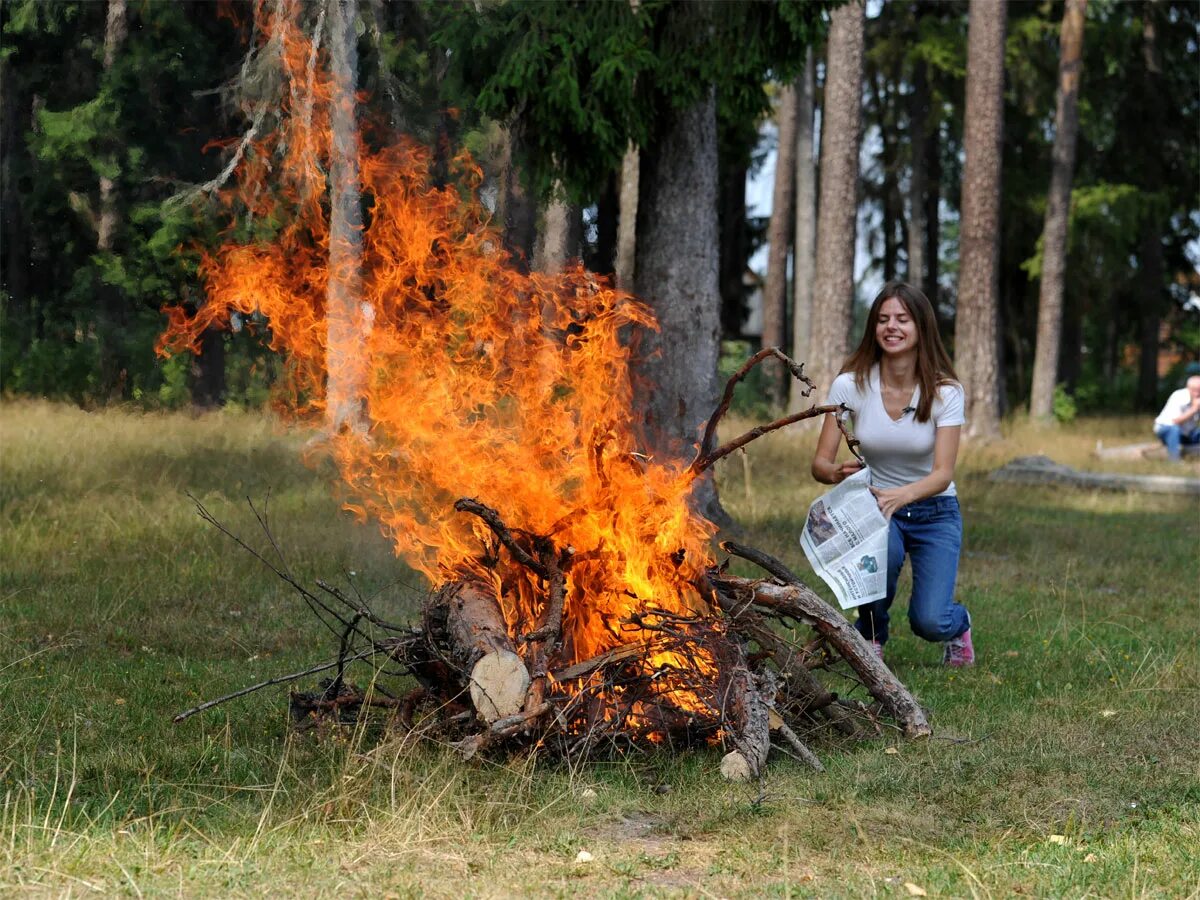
{"x": 842, "y": 471}
{"x": 825, "y": 467}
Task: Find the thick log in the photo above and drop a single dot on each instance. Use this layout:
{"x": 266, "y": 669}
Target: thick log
{"x": 466, "y": 616}
{"x": 749, "y": 721}
{"x": 797, "y": 601}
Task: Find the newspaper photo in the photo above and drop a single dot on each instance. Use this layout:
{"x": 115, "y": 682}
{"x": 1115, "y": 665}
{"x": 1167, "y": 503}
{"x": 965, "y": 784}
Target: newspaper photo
{"x": 845, "y": 538}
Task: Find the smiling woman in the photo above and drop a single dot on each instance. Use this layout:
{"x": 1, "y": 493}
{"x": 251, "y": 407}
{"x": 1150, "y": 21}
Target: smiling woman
{"x": 907, "y": 407}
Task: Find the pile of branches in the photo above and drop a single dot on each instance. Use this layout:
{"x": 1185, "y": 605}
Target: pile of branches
{"x": 736, "y": 675}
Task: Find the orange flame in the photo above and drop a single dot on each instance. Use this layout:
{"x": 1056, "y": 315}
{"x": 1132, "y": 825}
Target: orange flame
{"x": 476, "y": 379}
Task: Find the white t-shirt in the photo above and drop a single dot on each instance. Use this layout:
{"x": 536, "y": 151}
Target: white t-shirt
{"x": 1176, "y": 404}
{"x": 899, "y": 451}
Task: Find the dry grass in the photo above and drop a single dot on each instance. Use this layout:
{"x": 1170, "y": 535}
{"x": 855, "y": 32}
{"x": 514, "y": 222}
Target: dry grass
{"x": 1065, "y": 764}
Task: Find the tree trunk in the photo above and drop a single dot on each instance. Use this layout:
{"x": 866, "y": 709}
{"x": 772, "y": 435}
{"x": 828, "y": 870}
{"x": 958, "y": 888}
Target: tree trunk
{"x": 515, "y": 211}
{"x": 803, "y": 261}
{"x": 608, "y": 211}
{"x": 677, "y": 275}
{"x": 1058, "y": 214}
{"x": 113, "y": 318}
{"x": 833, "y": 287}
{"x": 731, "y": 224}
{"x": 933, "y": 229}
{"x": 779, "y": 234}
{"x": 345, "y": 322}
{"x": 1149, "y": 286}
{"x": 208, "y": 370}
{"x": 14, "y": 237}
{"x": 918, "y": 117}
{"x": 627, "y": 219}
{"x": 979, "y": 251}
{"x": 559, "y": 237}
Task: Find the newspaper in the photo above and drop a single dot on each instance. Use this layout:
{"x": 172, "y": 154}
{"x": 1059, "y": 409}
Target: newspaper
{"x": 845, "y": 538}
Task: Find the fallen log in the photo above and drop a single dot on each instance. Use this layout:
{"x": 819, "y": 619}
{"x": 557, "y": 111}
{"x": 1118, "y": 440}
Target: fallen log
{"x": 465, "y": 618}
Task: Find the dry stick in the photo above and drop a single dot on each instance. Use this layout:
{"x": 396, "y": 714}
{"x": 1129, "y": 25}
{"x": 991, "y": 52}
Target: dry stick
{"x": 702, "y": 462}
{"x": 710, "y": 430}
{"x": 763, "y": 560}
{"x": 550, "y": 629}
{"x": 801, "y": 750}
{"x": 494, "y": 522}
{"x": 798, "y": 601}
{"x": 280, "y": 679}
{"x": 311, "y": 599}
{"x": 360, "y": 608}
{"x": 827, "y": 702}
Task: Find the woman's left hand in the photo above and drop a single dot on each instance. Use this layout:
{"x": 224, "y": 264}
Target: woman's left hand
{"x": 891, "y": 499}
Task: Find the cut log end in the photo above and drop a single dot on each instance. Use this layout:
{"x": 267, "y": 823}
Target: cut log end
{"x": 499, "y": 682}
{"x": 735, "y": 767}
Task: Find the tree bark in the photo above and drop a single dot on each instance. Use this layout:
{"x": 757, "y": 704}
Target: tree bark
{"x": 1149, "y": 284}
{"x": 345, "y": 321}
{"x": 677, "y": 275}
{"x": 933, "y": 230}
{"x": 603, "y": 258}
{"x": 113, "y": 359}
{"x": 976, "y": 322}
{"x": 465, "y": 617}
{"x": 779, "y": 235}
{"x": 833, "y": 288}
{"x": 515, "y": 211}
{"x": 627, "y": 219}
{"x": 731, "y": 224}
{"x": 918, "y": 117}
{"x": 559, "y": 237}
{"x": 1058, "y": 214}
{"x": 803, "y": 256}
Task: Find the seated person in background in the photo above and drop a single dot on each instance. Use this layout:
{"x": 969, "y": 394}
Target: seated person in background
{"x": 1179, "y": 421}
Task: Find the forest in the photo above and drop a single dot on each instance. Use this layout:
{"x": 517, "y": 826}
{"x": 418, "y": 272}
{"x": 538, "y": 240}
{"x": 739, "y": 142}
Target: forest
{"x": 127, "y": 125}
{"x": 405, "y": 476}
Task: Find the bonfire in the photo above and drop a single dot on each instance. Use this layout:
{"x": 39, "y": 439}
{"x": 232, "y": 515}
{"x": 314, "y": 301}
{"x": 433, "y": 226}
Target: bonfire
{"x": 578, "y": 603}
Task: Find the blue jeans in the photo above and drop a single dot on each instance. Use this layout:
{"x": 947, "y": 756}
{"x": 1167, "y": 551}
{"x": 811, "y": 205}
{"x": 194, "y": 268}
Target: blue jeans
{"x": 930, "y": 532}
{"x": 1173, "y": 436}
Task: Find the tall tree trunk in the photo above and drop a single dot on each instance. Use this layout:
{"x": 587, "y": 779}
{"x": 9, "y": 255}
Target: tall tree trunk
{"x": 833, "y": 287}
{"x": 1149, "y": 286}
{"x": 976, "y": 324}
{"x": 1058, "y": 214}
{"x": 559, "y": 237}
{"x": 734, "y": 238}
{"x": 515, "y": 210}
{"x": 933, "y": 224}
{"x": 677, "y": 275}
{"x": 627, "y": 218}
{"x": 889, "y": 190}
{"x": 113, "y": 361}
{"x": 918, "y": 118}
{"x": 608, "y": 212}
{"x": 803, "y": 257}
{"x": 779, "y": 235}
{"x": 14, "y": 237}
{"x": 345, "y": 322}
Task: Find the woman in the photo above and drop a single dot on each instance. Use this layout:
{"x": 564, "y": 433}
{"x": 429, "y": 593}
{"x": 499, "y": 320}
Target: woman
{"x": 907, "y": 408}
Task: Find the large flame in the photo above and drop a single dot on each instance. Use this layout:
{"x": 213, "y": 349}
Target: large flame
{"x": 475, "y": 378}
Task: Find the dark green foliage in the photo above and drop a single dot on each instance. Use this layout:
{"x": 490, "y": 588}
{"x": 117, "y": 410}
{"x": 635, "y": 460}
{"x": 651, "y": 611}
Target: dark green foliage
{"x": 580, "y": 80}
{"x": 68, "y": 122}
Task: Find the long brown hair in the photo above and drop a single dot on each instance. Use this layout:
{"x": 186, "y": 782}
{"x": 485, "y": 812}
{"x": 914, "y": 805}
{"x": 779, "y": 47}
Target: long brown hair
{"x": 933, "y": 362}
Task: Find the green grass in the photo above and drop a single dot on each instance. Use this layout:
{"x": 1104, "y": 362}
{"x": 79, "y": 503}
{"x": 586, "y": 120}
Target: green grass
{"x": 1065, "y": 764}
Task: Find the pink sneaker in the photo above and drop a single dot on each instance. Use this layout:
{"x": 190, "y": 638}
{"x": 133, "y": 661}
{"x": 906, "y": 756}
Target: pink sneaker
{"x": 959, "y": 652}
{"x": 878, "y": 648}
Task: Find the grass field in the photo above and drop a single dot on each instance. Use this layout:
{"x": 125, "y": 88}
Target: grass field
{"x": 1066, "y": 764}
